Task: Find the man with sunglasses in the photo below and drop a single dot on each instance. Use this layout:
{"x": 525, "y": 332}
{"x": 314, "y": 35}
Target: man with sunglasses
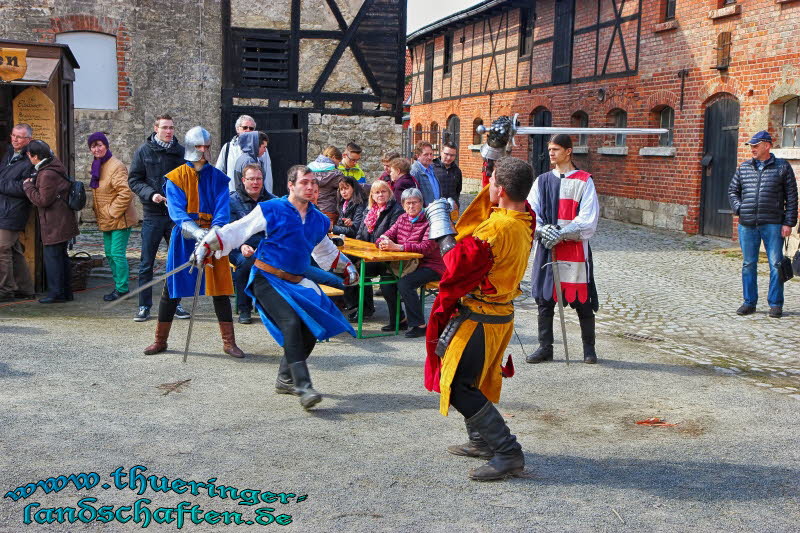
{"x": 230, "y": 152}
{"x": 349, "y": 165}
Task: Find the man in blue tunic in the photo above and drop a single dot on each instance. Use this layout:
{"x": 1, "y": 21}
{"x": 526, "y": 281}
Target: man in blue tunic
{"x": 197, "y": 199}
{"x": 293, "y": 308}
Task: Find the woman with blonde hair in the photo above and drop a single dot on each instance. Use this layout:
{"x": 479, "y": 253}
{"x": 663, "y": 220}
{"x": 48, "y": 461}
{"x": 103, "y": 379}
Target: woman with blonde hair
{"x": 381, "y": 214}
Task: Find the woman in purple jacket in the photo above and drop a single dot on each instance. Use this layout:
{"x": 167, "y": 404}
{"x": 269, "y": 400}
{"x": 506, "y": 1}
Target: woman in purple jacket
{"x": 410, "y": 234}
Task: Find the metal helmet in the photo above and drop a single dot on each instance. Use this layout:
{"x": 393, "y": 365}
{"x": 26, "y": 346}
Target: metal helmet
{"x": 194, "y": 137}
{"x": 441, "y": 226}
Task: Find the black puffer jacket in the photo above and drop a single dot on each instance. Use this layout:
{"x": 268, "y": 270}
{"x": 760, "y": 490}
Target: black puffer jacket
{"x": 151, "y": 162}
{"x": 14, "y": 204}
{"x": 766, "y": 197}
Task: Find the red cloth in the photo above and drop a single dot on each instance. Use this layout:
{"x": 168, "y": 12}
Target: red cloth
{"x": 467, "y": 264}
{"x": 485, "y": 175}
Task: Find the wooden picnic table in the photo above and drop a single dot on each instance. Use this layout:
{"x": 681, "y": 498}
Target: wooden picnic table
{"x": 368, "y": 252}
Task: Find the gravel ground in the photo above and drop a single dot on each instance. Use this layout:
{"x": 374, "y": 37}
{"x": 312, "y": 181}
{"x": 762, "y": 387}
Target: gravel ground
{"x": 77, "y": 395}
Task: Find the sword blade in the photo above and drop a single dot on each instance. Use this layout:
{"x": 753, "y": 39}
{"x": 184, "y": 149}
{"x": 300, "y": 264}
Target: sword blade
{"x": 194, "y": 307}
{"x": 557, "y": 281}
{"x": 149, "y": 284}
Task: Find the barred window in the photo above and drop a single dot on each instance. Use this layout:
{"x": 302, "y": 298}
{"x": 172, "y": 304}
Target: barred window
{"x": 477, "y": 138}
{"x": 667, "y": 119}
{"x": 670, "y": 10}
{"x": 526, "y": 19}
{"x": 791, "y": 123}
{"x": 620, "y": 120}
{"x": 580, "y": 120}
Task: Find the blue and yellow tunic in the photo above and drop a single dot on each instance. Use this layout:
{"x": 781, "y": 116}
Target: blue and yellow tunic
{"x": 202, "y": 197}
{"x": 288, "y": 244}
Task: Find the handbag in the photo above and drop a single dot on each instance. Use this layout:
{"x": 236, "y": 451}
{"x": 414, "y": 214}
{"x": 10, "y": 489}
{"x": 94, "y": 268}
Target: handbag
{"x": 796, "y": 262}
{"x": 409, "y": 266}
{"x": 785, "y": 269}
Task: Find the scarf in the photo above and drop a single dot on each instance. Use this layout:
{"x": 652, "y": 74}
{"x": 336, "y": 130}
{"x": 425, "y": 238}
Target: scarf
{"x": 372, "y": 217}
{"x": 97, "y": 163}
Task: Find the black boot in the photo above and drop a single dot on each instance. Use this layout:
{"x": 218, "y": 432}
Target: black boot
{"x": 508, "y": 458}
{"x": 302, "y": 382}
{"x": 284, "y": 383}
{"x": 588, "y": 337}
{"x": 475, "y": 447}
{"x": 545, "y": 350}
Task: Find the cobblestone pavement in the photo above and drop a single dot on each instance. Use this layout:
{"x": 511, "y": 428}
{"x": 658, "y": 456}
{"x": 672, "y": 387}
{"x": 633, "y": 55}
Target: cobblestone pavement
{"x": 676, "y": 293}
{"x": 679, "y": 294}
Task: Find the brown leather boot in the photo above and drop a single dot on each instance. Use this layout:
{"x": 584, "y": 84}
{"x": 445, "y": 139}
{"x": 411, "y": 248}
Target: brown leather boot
{"x": 229, "y": 341}
{"x": 160, "y": 344}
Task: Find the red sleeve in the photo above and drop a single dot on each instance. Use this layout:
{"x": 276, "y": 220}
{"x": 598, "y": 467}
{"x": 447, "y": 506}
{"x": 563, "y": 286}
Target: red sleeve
{"x": 467, "y": 264}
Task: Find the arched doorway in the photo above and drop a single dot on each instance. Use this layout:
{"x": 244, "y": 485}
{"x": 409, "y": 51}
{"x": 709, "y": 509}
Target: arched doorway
{"x": 720, "y": 143}
{"x": 537, "y": 144}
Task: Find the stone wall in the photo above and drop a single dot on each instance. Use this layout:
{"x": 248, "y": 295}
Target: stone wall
{"x": 375, "y": 135}
{"x": 169, "y": 59}
{"x": 640, "y": 211}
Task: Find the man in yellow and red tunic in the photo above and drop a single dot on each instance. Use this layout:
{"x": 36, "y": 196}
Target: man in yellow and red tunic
{"x": 472, "y": 319}
{"x": 197, "y": 200}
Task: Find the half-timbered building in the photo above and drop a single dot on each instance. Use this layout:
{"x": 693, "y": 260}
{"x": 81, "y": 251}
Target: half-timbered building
{"x": 311, "y": 72}
{"x": 710, "y": 71}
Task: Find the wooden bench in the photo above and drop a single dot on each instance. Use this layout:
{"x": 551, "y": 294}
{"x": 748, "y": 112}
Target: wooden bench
{"x": 331, "y": 291}
{"x": 429, "y": 289}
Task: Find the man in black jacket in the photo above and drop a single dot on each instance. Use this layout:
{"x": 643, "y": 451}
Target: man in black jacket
{"x": 249, "y": 193}
{"x": 763, "y": 193}
{"x": 447, "y": 172}
{"x": 157, "y": 156}
{"x": 15, "y": 279}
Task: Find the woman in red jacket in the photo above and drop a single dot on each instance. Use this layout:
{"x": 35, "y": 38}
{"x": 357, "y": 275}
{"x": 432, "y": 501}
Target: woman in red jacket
{"x": 410, "y": 234}
{"x": 47, "y": 189}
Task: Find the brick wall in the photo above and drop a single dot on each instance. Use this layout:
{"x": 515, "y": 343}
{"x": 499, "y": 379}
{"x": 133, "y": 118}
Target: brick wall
{"x": 664, "y": 191}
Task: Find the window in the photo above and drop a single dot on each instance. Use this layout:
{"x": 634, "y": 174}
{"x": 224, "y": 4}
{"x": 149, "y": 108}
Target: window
{"x": 580, "y": 120}
{"x": 526, "y": 21}
{"x": 723, "y": 51}
{"x": 262, "y": 59}
{"x": 619, "y": 119}
{"x": 791, "y": 124}
{"x": 667, "y": 120}
{"x": 434, "y": 135}
{"x": 96, "y": 81}
{"x": 477, "y": 138}
{"x": 669, "y": 13}
{"x": 451, "y": 133}
{"x": 417, "y": 133}
{"x": 448, "y": 54}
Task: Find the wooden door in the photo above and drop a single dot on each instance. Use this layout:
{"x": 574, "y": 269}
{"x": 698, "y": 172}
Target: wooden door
{"x": 719, "y": 164}
{"x": 537, "y": 144}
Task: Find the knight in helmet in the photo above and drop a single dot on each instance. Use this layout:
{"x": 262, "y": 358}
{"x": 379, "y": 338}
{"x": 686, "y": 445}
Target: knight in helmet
{"x": 197, "y": 200}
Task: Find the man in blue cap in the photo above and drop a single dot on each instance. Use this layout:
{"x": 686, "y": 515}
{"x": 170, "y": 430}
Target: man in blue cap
{"x": 763, "y": 193}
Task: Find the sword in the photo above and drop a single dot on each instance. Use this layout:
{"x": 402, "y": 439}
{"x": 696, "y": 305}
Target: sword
{"x": 194, "y": 306}
{"x": 149, "y": 284}
{"x": 557, "y": 280}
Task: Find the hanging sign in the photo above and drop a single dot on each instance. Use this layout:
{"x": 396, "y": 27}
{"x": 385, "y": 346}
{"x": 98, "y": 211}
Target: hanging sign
{"x": 12, "y": 63}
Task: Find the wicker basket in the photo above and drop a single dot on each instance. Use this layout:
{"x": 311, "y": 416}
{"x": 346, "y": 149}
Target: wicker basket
{"x": 82, "y": 264}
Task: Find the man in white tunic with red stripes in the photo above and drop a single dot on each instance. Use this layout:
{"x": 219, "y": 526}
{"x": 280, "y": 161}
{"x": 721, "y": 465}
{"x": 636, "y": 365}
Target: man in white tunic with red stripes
{"x": 567, "y": 211}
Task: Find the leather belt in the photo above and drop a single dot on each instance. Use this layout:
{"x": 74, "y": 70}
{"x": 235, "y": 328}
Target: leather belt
{"x": 464, "y": 314}
{"x": 277, "y": 272}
